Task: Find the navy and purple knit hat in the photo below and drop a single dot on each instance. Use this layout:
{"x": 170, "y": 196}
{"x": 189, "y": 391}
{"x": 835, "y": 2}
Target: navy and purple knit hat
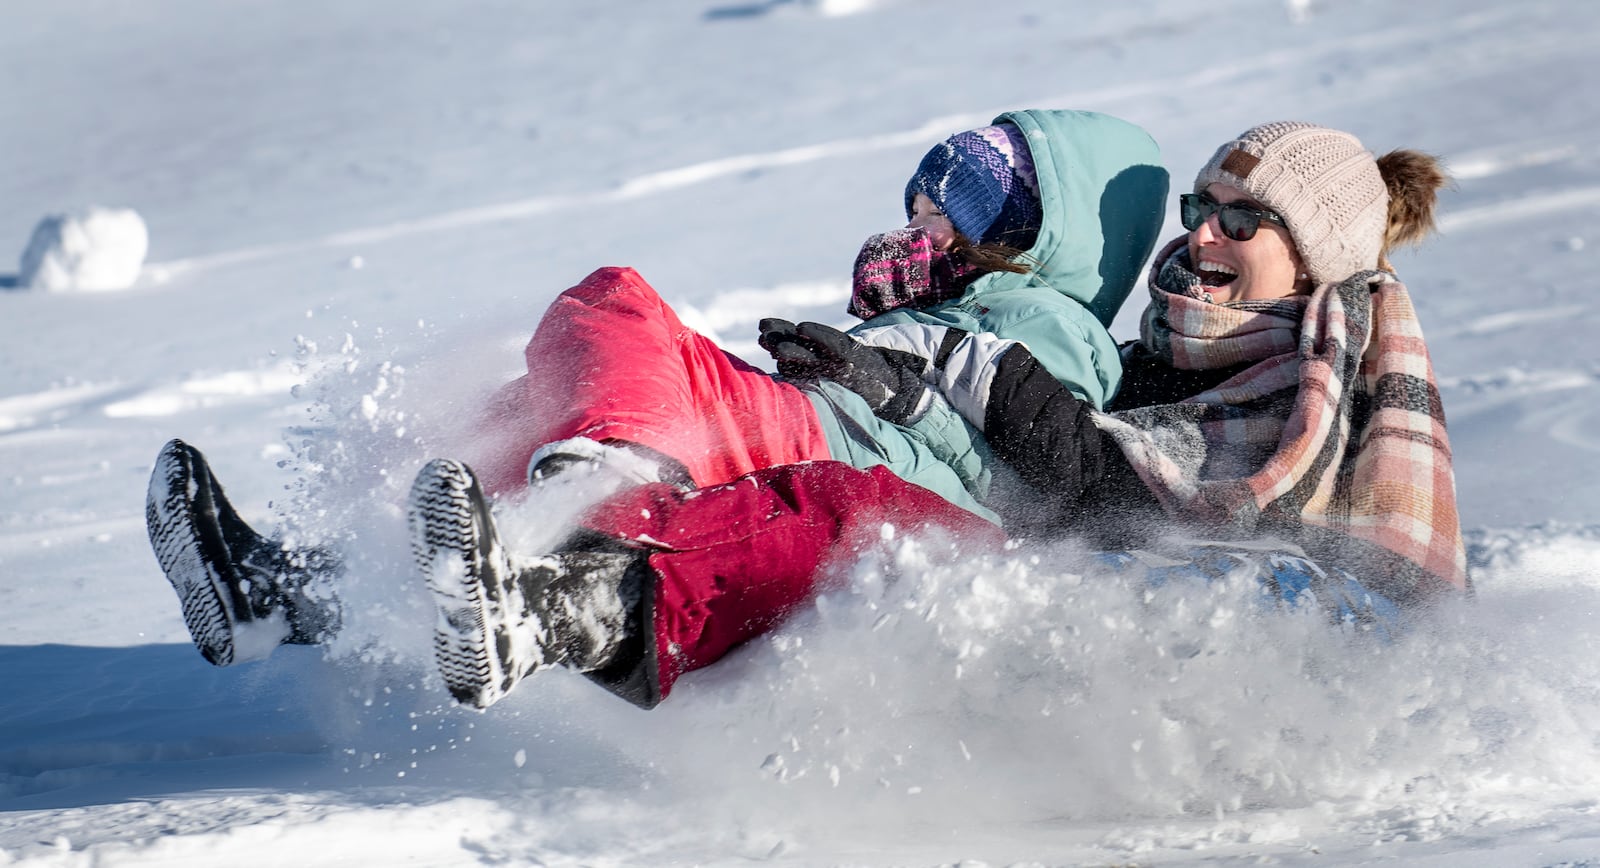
{"x": 983, "y": 181}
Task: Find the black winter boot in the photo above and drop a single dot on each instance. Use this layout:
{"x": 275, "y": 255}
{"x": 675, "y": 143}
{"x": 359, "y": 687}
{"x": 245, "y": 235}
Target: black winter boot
{"x": 501, "y": 618}
{"x": 242, "y": 594}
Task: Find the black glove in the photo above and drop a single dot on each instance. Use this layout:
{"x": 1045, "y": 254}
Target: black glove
{"x": 889, "y": 380}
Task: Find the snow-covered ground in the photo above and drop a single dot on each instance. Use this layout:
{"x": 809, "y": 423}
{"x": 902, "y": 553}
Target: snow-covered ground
{"x": 356, "y": 212}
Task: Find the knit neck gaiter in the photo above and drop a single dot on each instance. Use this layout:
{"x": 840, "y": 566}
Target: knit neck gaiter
{"x": 903, "y": 269}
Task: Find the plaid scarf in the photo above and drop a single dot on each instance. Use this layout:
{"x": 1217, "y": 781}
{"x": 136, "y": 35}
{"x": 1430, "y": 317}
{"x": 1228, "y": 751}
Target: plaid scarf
{"x": 1334, "y": 440}
{"x": 902, "y": 269}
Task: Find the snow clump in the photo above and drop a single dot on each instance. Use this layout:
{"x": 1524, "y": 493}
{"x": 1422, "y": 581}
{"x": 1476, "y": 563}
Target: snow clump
{"x": 93, "y": 249}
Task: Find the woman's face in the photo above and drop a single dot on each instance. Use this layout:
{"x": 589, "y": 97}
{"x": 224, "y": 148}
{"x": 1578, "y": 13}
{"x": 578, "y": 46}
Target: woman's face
{"x": 1266, "y": 266}
{"x": 927, "y": 216}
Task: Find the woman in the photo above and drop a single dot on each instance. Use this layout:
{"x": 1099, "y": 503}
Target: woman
{"x": 1280, "y": 386}
{"x": 1280, "y": 390}
{"x": 1032, "y": 228}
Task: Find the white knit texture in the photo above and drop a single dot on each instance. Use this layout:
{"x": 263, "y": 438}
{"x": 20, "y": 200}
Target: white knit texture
{"x": 1323, "y": 183}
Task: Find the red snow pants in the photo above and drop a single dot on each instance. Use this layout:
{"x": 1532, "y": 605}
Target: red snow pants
{"x": 611, "y": 360}
{"x": 732, "y": 561}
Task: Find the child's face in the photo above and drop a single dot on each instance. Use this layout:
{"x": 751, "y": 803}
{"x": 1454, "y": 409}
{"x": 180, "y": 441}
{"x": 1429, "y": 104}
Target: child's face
{"x": 926, "y": 216}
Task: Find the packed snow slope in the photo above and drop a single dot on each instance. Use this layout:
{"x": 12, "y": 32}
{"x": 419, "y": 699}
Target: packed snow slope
{"x": 356, "y": 213}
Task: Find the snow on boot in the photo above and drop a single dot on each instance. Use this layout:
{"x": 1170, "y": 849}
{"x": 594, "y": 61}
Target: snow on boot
{"x": 500, "y": 621}
{"x": 586, "y": 600}
{"x": 480, "y": 641}
{"x": 612, "y": 465}
{"x": 242, "y": 594}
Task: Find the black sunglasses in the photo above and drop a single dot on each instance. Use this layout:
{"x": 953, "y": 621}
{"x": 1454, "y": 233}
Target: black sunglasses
{"x": 1238, "y": 220}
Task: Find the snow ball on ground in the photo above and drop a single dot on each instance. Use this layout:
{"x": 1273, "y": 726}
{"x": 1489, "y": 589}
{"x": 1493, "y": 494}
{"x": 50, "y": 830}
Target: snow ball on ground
{"x": 840, "y": 8}
{"x": 94, "y": 249}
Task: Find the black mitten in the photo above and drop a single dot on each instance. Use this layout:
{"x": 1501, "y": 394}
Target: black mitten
{"x": 890, "y": 381}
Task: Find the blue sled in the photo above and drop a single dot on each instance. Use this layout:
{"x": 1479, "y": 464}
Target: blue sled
{"x": 1287, "y": 577}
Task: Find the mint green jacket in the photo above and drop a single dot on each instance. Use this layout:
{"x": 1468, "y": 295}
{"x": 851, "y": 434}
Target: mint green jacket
{"x": 1103, "y": 191}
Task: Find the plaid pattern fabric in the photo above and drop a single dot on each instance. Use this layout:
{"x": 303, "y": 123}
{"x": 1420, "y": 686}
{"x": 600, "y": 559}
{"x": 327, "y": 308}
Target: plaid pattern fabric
{"x": 902, "y": 269}
{"x": 1335, "y": 441}
{"x": 1183, "y": 325}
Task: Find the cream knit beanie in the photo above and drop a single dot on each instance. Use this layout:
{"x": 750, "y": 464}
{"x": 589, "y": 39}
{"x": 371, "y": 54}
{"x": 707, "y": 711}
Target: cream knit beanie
{"x": 1323, "y": 183}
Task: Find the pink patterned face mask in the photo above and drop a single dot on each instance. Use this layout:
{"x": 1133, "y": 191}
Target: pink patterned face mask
{"x": 903, "y": 269}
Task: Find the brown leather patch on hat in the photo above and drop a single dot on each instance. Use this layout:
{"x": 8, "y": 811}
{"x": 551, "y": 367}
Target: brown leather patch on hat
{"x": 1240, "y": 163}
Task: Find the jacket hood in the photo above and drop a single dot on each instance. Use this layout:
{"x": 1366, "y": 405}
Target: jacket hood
{"x": 1103, "y": 192}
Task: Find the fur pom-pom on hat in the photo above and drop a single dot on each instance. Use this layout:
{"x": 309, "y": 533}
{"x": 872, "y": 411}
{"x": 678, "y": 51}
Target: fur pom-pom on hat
{"x": 983, "y": 180}
{"x": 1414, "y": 180}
